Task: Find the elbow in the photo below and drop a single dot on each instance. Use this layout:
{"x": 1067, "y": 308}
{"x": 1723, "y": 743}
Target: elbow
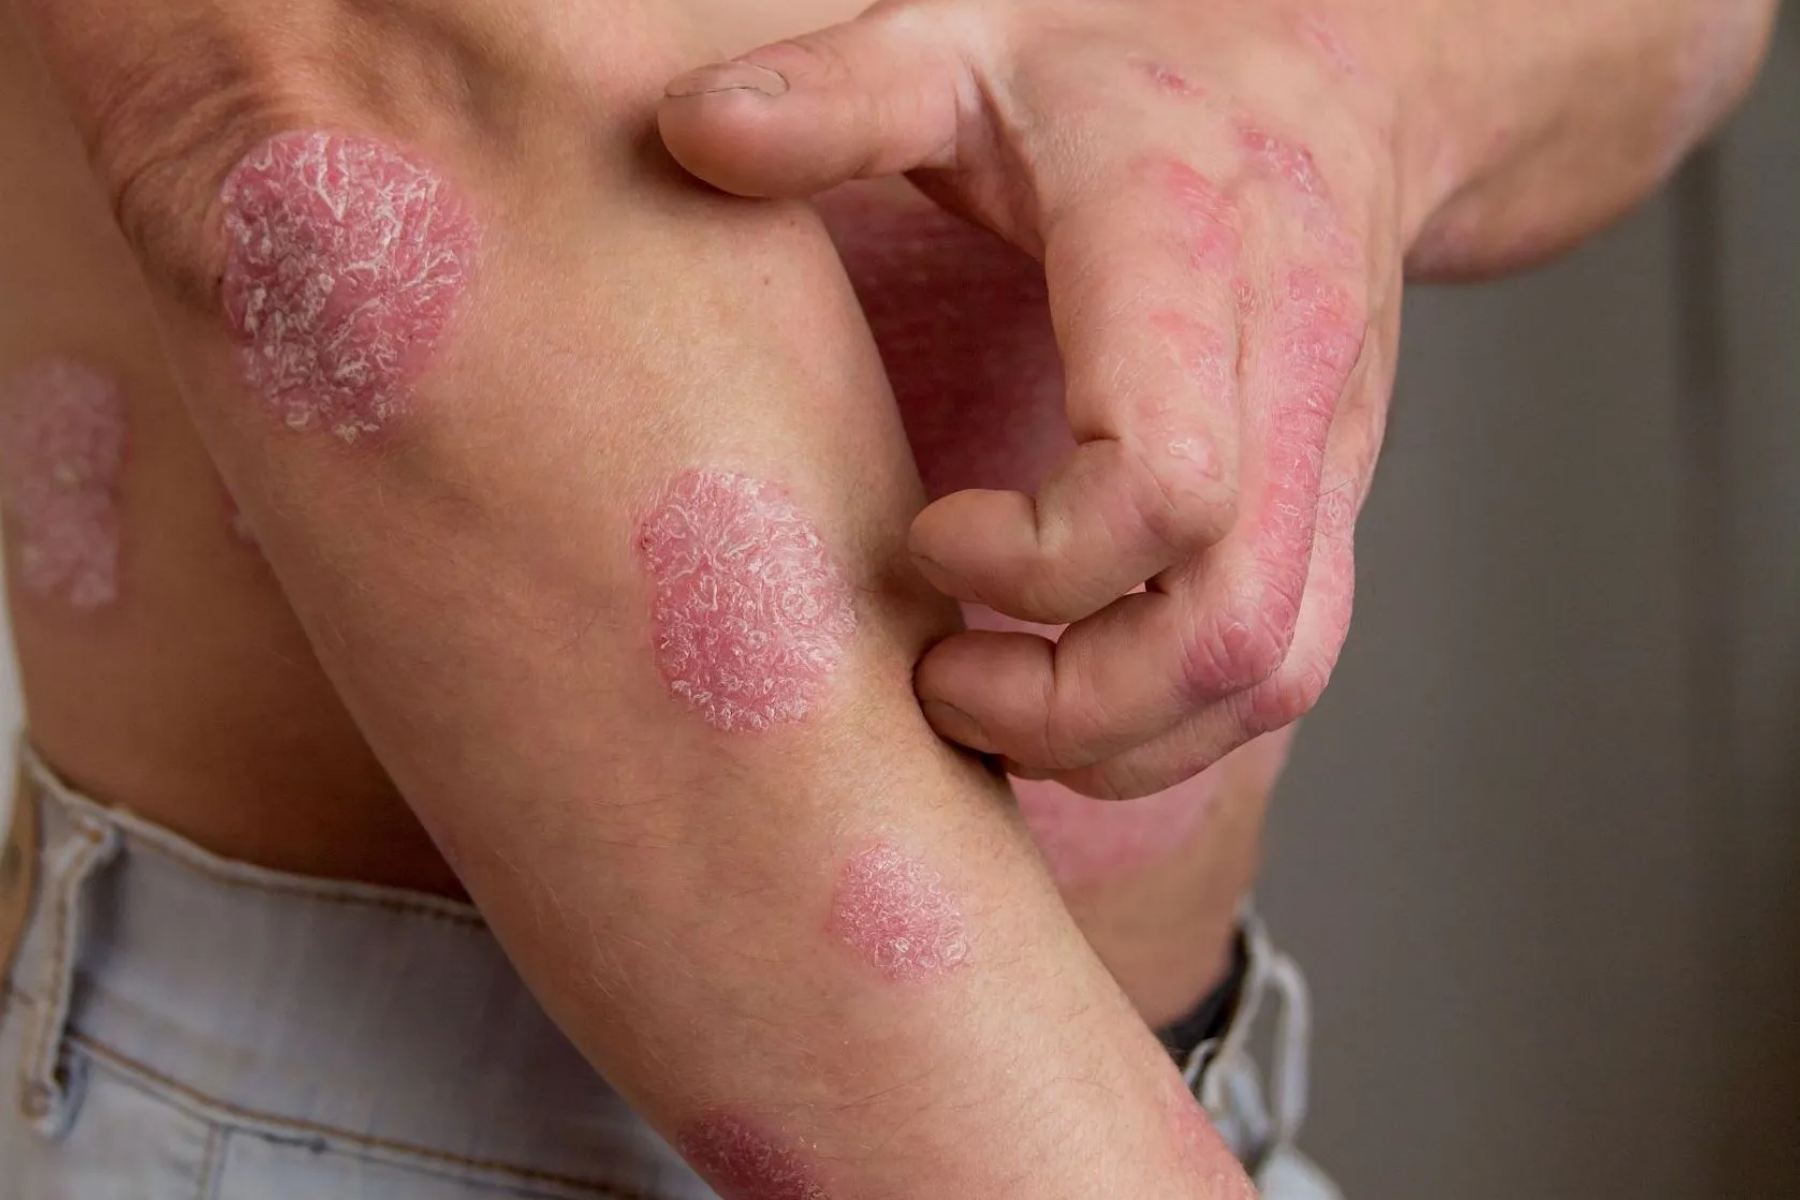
{"x": 172, "y": 101}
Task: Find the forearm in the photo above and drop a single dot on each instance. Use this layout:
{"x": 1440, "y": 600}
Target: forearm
{"x": 771, "y": 906}
{"x": 1525, "y": 126}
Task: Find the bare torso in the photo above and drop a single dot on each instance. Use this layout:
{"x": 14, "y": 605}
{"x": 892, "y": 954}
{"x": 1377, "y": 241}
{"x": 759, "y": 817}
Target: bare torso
{"x": 192, "y": 696}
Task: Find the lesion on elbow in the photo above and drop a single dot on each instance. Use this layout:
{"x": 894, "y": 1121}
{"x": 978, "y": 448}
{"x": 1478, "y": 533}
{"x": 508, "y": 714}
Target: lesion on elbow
{"x": 345, "y": 259}
{"x": 172, "y": 99}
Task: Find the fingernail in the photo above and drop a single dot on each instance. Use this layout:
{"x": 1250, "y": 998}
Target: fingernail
{"x": 727, "y": 77}
{"x": 956, "y": 725}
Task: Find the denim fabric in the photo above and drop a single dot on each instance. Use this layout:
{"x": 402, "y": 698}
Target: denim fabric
{"x": 179, "y": 1027}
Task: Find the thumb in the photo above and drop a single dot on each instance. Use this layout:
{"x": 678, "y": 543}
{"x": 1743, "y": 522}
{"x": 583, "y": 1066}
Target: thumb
{"x": 875, "y": 96}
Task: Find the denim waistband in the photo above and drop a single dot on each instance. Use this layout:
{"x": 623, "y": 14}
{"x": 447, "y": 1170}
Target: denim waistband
{"x": 389, "y": 1022}
{"x": 312, "y": 1010}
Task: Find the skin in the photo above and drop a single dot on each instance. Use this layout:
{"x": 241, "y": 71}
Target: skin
{"x": 200, "y": 702}
{"x": 964, "y": 330}
{"x": 1226, "y": 200}
{"x": 470, "y": 572}
{"x": 194, "y": 696}
{"x": 63, "y": 441}
{"x": 891, "y": 909}
{"x": 401, "y": 259}
{"x": 247, "y": 748}
{"x": 751, "y": 616}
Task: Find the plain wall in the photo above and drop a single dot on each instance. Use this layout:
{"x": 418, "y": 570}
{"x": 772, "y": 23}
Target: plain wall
{"x": 1540, "y": 849}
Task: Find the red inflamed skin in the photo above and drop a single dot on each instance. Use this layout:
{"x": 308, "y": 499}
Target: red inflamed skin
{"x": 346, "y": 260}
{"x": 62, "y": 450}
{"x": 745, "y": 1163}
{"x": 751, "y": 615}
{"x": 895, "y": 912}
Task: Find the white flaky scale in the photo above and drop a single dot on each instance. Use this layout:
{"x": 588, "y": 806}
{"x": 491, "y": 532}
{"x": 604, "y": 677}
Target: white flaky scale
{"x": 345, "y": 260}
{"x": 750, "y": 614}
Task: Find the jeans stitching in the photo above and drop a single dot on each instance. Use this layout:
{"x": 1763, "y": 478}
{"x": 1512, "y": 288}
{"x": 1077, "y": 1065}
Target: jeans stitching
{"x": 302, "y": 1128}
{"x": 209, "y": 1163}
{"x": 44, "y": 1041}
{"x": 302, "y": 892}
{"x": 44, "y": 787}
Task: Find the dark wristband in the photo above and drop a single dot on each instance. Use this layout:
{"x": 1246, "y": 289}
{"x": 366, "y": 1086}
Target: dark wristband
{"x": 1209, "y": 1019}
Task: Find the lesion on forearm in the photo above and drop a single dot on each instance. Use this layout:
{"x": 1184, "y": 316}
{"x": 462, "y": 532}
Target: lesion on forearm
{"x": 784, "y": 914}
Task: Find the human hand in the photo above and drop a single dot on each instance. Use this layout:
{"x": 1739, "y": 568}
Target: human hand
{"x": 1215, "y": 192}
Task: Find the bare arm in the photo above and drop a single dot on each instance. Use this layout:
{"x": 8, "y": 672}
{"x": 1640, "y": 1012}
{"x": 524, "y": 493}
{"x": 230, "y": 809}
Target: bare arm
{"x": 586, "y": 487}
{"x": 1535, "y": 123}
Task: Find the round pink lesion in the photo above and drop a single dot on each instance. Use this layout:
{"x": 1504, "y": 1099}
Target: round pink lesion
{"x": 896, "y": 913}
{"x": 750, "y": 614}
{"x": 345, "y": 261}
{"x": 1211, "y": 221}
{"x": 62, "y": 451}
{"x": 744, "y": 1163}
{"x": 1164, "y": 78}
{"x": 1284, "y": 161}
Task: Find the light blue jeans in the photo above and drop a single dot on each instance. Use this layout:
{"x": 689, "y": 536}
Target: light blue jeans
{"x": 179, "y": 1027}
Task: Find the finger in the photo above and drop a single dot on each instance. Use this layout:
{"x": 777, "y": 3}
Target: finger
{"x": 1211, "y": 629}
{"x": 1286, "y": 696}
{"x": 1298, "y": 683}
{"x": 1143, "y": 284}
{"x": 875, "y": 96}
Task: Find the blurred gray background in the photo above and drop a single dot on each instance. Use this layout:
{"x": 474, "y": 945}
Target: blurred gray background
{"x": 1540, "y": 850}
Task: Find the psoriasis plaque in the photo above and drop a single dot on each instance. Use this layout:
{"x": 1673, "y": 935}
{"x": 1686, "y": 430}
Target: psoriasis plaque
{"x": 62, "y": 451}
{"x": 750, "y": 615}
{"x": 895, "y": 912}
{"x": 743, "y": 1163}
{"x": 345, "y": 261}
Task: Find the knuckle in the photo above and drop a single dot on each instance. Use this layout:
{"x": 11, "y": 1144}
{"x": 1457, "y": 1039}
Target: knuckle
{"x": 1036, "y": 597}
{"x": 1293, "y": 692}
{"x": 1194, "y": 504}
{"x": 1075, "y": 726}
{"x": 1134, "y": 776}
{"x": 1243, "y": 643}
{"x": 1047, "y": 595}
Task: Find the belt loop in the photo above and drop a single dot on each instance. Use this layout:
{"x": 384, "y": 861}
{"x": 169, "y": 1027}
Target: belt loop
{"x": 48, "y": 1090}
{"x": 18, "y": 881}
{"x": 1223, "y": 1074}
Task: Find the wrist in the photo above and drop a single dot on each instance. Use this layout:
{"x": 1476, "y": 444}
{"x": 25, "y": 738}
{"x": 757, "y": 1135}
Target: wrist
{"x": 1442, "y": 127}
{"x": 1519, "y": 134}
